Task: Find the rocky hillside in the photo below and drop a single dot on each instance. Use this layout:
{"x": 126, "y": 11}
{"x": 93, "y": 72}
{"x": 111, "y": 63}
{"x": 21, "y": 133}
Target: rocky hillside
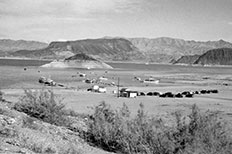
{"x": 104, "y": 49}
{"x": 187, "y": 59}
{"x": 22, "y": 133}
{"x": 222, "y": 56}
{"x": 7, "y": 45}
{"x": 79, "y": 61}
{"x": 171, "y": 48}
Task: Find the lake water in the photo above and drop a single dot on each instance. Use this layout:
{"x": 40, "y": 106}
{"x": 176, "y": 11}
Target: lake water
{"x": 173, "y": 68}
{"x": 22, "y": 62}
{"x": 132, "y": 66}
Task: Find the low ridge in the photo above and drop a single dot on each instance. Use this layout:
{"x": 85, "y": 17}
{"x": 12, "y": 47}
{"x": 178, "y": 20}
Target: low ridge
{"x": 7, "y": 45}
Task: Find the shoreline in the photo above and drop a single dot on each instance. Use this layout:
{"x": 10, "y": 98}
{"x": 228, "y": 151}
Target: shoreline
{"x": 25, "y": 58}
{"x": 198, "y": 65}
{"x": 124, "y": 62}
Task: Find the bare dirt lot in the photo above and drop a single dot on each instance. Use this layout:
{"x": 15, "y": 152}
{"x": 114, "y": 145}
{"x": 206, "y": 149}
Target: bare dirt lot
{"x": 172, "y": 79}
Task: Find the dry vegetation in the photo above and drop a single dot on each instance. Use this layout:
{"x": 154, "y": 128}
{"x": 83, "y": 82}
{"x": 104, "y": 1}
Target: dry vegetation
{"x": 42, "y": 126}
{"x": 110, "y": 129}
{"x": 43, "y": 106}
{"x": 197, "y": 133}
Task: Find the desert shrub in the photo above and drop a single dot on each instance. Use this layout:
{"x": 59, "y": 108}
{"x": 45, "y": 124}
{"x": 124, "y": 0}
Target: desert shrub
{"x": 43, "y": 105}
{"x": 116, "y": 130}
{"x": 72, "y": 113}
{"x": 102, "y": 128}
{"x": 203, "y": 132}
{"x": 2, "y": 111}
{"x": 1, "y": 95}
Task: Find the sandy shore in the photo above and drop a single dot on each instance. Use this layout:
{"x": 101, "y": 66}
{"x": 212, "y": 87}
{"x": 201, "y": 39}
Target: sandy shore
{"x": 86, "y": 64}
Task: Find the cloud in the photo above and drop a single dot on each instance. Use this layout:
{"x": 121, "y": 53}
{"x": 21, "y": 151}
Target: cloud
{"x": 41, "y": 17}
{"x": 230, "y": 23}
{"x": 63, "y": 8}
{"x": 3, "y": 35}
{"x": 19, "y": 17}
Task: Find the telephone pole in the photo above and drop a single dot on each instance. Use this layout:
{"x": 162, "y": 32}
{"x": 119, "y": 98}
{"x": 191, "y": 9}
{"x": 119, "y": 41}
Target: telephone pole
{"x": 118, "y": 87}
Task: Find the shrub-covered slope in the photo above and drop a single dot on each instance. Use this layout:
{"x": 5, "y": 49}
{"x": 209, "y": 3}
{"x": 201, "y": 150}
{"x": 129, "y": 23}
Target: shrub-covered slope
{"x": 43, "y": 125}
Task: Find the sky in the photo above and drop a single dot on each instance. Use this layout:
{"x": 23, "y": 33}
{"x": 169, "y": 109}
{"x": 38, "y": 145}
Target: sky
{"x": 56, "y": 20}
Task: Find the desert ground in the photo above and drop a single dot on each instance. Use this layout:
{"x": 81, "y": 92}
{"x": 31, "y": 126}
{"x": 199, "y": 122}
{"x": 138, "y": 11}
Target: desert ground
{"x": 14, "y": 79}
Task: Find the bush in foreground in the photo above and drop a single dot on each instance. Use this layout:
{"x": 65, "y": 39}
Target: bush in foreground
{"x": 42, "y": 104}
{"x": 1, "y": 95}
{"x": 115, "y": 130}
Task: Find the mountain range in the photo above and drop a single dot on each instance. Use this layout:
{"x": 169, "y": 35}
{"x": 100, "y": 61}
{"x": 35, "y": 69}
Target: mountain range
{"x": 165, "y": 49}
{"x": 159, "y": 50}
{"x": 103, "y": 49}
{"x": 9, "y": 46}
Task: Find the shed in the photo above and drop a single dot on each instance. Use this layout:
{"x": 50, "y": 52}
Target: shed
{"x": 101, "y": 89}
{"x": 125, "y": 92}
{"x": 132, "y": 94}
{"x": 82, "y": 75}
{"x": 95, "y": 88}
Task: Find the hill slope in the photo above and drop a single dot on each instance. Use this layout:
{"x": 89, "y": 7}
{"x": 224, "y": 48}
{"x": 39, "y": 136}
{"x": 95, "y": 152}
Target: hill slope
{"x": 222, "y": 56}
{"x": 105, "y": 49}
{"x": 7, "y": 45}
{"x": 187, "y": 59}
{"x": 23, "y": 133}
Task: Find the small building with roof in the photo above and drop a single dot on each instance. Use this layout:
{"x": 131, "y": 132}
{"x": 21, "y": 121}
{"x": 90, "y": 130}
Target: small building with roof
{"x": 97, "y": 88}
{"x": 125, "y": 92}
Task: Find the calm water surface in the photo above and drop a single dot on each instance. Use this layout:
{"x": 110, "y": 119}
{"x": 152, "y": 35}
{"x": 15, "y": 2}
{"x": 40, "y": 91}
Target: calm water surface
{"x": 173, "y": 68}
{"x": 132, "y": 66}
{"x": 22, "y": 62}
